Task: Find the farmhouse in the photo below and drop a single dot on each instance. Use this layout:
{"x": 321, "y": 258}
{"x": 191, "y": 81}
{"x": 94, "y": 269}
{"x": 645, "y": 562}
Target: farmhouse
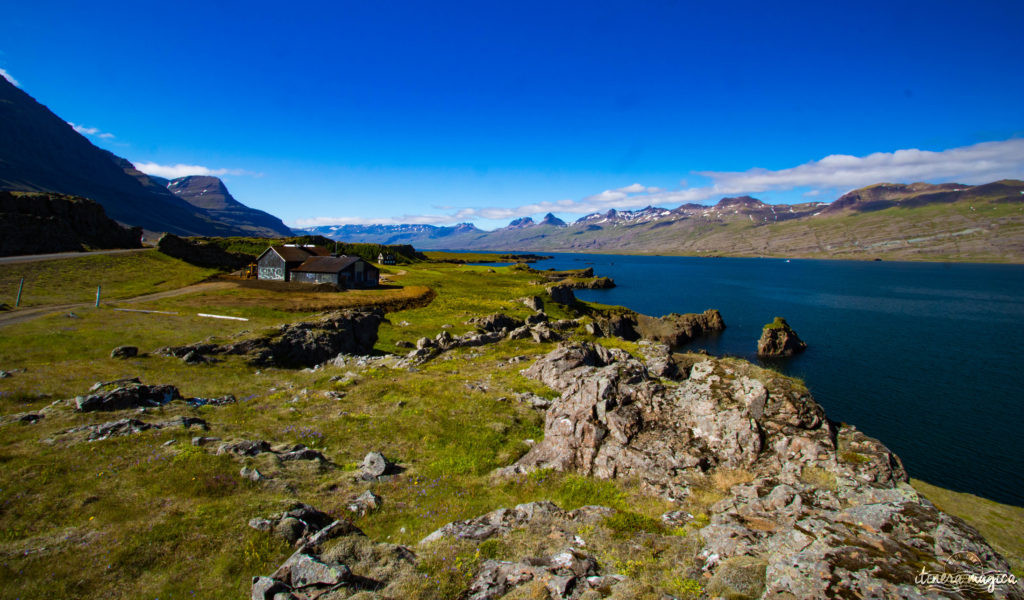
{"x": 315, "y": 264}
{"x": 342, "y": 271}
{"x": 277, "y": 262}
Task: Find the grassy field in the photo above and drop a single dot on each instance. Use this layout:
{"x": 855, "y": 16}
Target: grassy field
{"x": 75, "y": 279}
{"x": 134, "y": 517}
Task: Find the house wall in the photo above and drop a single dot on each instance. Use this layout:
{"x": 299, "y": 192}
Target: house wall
{"x": 303, "y": 277}
{"x": 271, "y": 266}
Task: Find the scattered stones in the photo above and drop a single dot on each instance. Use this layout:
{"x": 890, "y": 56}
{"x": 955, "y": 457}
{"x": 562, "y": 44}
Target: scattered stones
{"x": 244, "y": 447}
{"x": 195, "y": 358}
{"x": 404, "y": 344}
{"x": 29, "y": 418}
{"x": 122, "y": 427}
{"x": 297, "y": 525}
{"x": 222, "y": 401}
{"x": 778, "y": 339}
{"x": 251, "y": 474}
{"x": 504, "y": 520}
{"x": 534, "y": 400}
{"x": 496, "y": 322}
{"x": 124, "y": 352}
{"x": 365, "y": 503}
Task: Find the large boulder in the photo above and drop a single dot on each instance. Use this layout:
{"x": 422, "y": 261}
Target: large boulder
{"x": 131, "y": 395}
{"x": 779, "y": 339}
{"x": 562, "y": 294}
{"x": 305, "y": 344}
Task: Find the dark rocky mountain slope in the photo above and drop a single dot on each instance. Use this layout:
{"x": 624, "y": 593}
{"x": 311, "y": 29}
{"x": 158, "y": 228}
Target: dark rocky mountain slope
{"x": 40, "y": 152}
{"x": 38, "y": 223}
{"x": 211, "y": 195}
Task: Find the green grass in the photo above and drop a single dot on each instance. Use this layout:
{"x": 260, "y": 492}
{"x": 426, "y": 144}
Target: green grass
{"x": 1001, "y": 524}
{"x": 74, "y": 280}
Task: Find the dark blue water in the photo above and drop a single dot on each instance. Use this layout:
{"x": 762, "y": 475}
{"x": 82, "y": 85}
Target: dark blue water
{"x": 926, "y": 357}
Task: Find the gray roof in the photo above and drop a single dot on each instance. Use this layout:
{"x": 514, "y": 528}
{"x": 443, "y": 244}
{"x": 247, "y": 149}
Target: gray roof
{"x": 299, "y": 253}
{"x": 326, "y": 264}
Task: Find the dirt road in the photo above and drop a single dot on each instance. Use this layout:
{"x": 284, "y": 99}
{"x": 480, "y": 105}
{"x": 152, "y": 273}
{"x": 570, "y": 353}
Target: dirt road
{"x": 37, "y": 257}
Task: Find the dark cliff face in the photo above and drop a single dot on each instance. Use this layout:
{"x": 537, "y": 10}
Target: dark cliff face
{"x": 40, "y": 152}
{"x": 38, "y": 223}
{"x": 211, "y": 195}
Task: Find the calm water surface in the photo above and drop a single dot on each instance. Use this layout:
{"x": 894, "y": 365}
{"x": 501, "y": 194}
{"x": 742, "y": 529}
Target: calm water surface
{"x": 924, "y": 356}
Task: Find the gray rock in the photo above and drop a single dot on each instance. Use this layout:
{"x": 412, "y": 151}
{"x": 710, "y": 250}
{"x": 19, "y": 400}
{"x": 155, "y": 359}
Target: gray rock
{"x": 132, "y": 395}
{"x": 251, "y": 474}
{"x": 244, "y": 447}
{"x": 534, "y": 302}
{"x": 265, "y": 588}
{"x": 374, "y": 465}
{"x": 203, "y": 440}
{"x": 124, "y": 352}
{"x": 562, "y": 294}
{"x": 365, "y": 503}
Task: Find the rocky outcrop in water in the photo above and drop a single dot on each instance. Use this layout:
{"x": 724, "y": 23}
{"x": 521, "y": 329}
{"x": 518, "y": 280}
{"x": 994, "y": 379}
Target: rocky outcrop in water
{"x": 673, "y": 329}
{"x": 825, "y": 509}
{"x": 778, "y": 339}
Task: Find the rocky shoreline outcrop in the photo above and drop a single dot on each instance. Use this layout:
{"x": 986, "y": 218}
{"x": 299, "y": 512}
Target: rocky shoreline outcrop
{"x": 826, "y": 509}
{"x": 673, "y": 329}
{"x": 779, "y": 340}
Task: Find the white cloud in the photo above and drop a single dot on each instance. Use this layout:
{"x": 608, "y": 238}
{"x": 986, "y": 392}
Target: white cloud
{"x": 7, "y": 76}
{"x": 980, "y": 163}
{"x": 91, "y": 131}
{"x": 182, "y": 170}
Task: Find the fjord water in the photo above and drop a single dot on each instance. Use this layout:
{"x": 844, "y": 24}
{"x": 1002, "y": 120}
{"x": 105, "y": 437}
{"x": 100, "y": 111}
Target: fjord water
{"x": 927, "y": 357}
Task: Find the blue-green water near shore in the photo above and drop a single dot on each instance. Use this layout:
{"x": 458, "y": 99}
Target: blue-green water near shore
{"x": 927, "y": 357}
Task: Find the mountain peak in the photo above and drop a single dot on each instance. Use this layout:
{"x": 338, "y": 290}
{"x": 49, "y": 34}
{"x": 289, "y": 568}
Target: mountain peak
{"x": 550, "y": 219}
{"x": 521, "y": 223}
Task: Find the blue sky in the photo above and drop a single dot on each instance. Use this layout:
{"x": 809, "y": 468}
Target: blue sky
{"x": 444, "y": 112}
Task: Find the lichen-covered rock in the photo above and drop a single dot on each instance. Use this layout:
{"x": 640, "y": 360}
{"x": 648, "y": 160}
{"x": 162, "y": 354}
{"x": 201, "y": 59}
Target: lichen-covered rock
{"x": 779, "y": 339}
{"x": 822, "y": 510}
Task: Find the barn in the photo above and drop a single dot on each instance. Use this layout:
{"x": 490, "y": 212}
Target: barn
{"x": 342, "y": 271}
{"x": 277, "y": 262}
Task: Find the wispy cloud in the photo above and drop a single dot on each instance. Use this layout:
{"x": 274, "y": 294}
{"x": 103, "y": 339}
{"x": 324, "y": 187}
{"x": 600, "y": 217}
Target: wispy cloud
{"x": 93, "y": 131}
{"x": 182, "y": 170}
{"x": 7, "y": 76}
{"x": 979, "y": 163}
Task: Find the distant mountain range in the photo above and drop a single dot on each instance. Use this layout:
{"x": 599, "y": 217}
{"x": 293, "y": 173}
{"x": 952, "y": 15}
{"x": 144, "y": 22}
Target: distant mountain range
{"x": 896, "y": 221}
{"x": 40, "y": 152}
